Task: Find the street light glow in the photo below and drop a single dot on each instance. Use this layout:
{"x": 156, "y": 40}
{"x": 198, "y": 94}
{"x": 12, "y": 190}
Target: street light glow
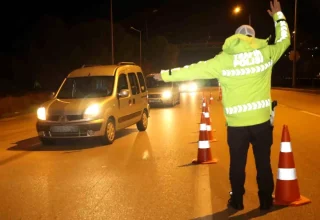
{"x": 236, "y": 10}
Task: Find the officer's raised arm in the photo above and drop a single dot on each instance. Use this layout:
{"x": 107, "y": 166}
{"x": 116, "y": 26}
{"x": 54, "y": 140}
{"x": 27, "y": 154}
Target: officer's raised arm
{"x": 282, "y": 41}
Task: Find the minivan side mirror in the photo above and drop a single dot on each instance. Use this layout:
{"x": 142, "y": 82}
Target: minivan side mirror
{"x": 123, "y": 93}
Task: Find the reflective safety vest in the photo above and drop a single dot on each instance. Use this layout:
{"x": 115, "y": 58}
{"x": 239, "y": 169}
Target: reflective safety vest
{"x": 243, "y": 69}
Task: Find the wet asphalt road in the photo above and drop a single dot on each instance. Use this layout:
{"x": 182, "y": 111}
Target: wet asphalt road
{"x": 148, "y": 175}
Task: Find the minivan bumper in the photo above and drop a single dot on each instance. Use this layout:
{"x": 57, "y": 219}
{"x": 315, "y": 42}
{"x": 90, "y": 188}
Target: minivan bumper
{"x": 54, "y": 130}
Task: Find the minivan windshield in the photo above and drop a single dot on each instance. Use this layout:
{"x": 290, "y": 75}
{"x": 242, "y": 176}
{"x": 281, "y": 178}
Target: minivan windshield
{"x": 152, "y": 83}
{"x": 86, "y": 87}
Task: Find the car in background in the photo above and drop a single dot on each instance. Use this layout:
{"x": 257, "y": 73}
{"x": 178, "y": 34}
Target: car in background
{"x": 95, "y": 101}
{"x": 189, "y": 86}
{"x": 162, "y": 93}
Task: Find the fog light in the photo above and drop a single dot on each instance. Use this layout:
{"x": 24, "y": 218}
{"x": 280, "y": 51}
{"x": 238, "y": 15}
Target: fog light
{"x": 90, "y": 132}
{"x": 42, "y": 133}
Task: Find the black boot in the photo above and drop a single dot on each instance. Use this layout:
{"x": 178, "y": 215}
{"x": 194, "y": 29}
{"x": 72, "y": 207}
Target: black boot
{"x": 266, "y": 201}
{"x": 236, "y": 202}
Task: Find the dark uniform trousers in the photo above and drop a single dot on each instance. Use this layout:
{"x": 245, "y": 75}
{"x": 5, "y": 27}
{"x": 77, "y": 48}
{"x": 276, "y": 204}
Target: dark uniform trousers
{"x": 239, "y": 139}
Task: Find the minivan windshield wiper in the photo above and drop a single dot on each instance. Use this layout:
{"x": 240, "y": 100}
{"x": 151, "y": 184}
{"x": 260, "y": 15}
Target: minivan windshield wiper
{"x": 74, "y": 89}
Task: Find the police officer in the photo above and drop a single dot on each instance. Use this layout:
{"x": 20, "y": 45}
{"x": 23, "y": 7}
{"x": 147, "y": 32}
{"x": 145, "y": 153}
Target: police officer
{"x": 244, "y": 69}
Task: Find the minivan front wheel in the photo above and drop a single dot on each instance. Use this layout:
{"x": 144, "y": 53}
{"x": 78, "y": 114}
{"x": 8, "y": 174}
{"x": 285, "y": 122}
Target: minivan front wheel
{"x": 143, "y": 123}
{"x": 45, "y": 141}
{"x": 110, "y": 133}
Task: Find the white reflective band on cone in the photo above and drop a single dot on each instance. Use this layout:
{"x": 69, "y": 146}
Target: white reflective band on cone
{"x": 285, "y": 147}
{"x": 287, "y": 174}
{"x": 204, "y": 144}
{"x": 204, "y": 104}
{"x": 206, "y": 114}
{"x": 203, "y": 127}
{"x": 208, "y": 127}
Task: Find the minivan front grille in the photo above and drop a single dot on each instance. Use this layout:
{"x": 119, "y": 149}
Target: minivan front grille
{"x": 154, "y": 96}
{"x": 53, "y": 117}
{"x": 68, "y": 117}
{"x": 74, "y": 117}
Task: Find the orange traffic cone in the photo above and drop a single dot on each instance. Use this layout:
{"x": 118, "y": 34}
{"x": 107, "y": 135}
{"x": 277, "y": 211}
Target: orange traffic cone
{"x": 287, "y": 187}
{"x": 207, "y": 106}
{"x": 208, "y": 124}
{"x": 203, "y": 107}
{"x": 204, "y": 151}
{"x": 211, "y": 99}
{"x": 204, "y": 103}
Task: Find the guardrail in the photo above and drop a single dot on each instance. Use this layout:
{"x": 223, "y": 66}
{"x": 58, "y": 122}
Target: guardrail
{"x": 303, "y": 82}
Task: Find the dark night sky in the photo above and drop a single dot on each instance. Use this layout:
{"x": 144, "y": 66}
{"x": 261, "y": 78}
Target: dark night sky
{"x": 178, "y": 20}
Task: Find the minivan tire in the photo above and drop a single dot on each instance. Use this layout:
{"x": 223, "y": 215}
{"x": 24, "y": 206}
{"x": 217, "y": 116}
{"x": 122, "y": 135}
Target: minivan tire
{"x": 47, "y": 142}
{"x": 143, "y": 123}
{"x": 110, "y": 133}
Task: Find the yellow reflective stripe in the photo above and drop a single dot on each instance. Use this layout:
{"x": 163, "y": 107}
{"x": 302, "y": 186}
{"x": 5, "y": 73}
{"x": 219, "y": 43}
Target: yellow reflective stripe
{"x": 248, "y": 107}
{"x": 280, "y": 15}
{"x": 247, "y": 70}
{"x": 284, "y": 31}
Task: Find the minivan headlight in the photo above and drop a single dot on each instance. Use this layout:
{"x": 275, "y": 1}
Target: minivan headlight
{"x": 92, "y": 111}
{"x": 41, "y": 113}
{"x": 166, "y": 95}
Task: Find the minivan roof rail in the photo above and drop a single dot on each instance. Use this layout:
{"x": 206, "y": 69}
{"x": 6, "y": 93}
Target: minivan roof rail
{"x": 89, "y": 65}
{"x": 126, "y": 63}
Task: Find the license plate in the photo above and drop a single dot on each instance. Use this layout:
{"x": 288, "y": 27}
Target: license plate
{"x": 64, "y": 129}
{"x": 154, "y": 100}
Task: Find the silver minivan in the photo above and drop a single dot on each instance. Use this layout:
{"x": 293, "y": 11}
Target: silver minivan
{"x": 96, "y": 101}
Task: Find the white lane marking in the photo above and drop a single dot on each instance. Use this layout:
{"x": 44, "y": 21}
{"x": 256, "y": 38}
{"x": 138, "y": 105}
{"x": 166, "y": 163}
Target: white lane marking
{"x": 310, "y": 113}
{"x": 202, "y": 205}
{"x": 306, "y": 112}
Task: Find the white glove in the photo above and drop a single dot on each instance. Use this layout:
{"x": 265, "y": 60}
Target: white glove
{"x": 272, "y": 117}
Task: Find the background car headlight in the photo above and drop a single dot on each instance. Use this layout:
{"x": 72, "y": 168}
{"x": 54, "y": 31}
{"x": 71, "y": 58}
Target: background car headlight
{"x": 193, "y": 87}
{"x": 166, "y": 95}
{"x": 183, "y": 87}
{"x": 92, "y": 111}
{"x": 41, "y": 113}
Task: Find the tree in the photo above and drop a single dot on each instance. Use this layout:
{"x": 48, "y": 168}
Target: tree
{"x": 47, "y": 51}
{"x": 170, "y": 56}
{"x": 55, "y": 50}
{"x": 126, "y": 46}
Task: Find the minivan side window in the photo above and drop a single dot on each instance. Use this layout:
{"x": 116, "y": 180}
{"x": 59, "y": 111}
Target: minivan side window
{"x": 122, "y": 82}
{"x": 134, "y": 83}
{"x": 142, "y": 82}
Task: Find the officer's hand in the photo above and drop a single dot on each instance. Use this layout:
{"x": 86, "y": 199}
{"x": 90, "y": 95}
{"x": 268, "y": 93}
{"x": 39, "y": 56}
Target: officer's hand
{"x": 157, "y": 77}
{"x": 275, "y": 7}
